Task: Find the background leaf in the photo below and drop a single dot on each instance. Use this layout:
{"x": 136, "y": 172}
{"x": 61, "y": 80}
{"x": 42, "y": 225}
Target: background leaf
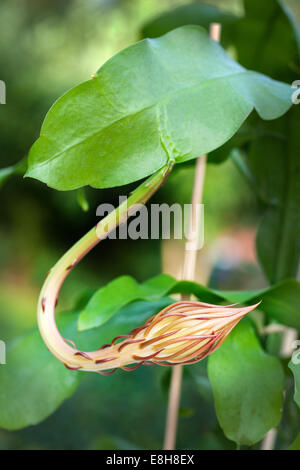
{"x": 123, "y": 125}
{"x": 270, "y": 154}
{"x": 201, "y": 14}
{"x": 296, "y": 444}
{"x": 17, "y": 169}
{"x": 121, "y": 291}
{"x": 33, "y": 383}
{"x": 278, "y": 244}
{"x": 295, "y": 368}
{"x": 280, "y": 302}
{"x": 248, "y": 386}
{"x": 292, "y": 11}
{"x": 264, "y": 39}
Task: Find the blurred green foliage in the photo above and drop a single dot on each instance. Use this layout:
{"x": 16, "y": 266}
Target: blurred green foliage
{"x": 46, "y": 47}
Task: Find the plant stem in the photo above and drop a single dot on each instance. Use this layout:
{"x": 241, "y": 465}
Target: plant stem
{"x": 188, "y": 274}
{"x": 190, "y": 256}
{"x": 56, "y": 276}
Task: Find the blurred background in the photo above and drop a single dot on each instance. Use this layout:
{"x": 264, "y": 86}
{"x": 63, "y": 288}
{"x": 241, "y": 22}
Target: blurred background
{"x": 47, "y": 47}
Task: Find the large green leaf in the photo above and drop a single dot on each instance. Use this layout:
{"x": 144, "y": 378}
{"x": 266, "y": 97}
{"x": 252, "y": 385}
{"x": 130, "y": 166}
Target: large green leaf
{"x": 108, "y": 300}
{"x": 262, "y": 37}
{"x": 248, "y": 386}
{"x": 124, "y": 320}
{"x": 118, "y": 293}
{"x": 33, "y": 383}
{"x": 280, "y": 302}
{"x": 263, "y": 40}
{"x": 172, "y": 98}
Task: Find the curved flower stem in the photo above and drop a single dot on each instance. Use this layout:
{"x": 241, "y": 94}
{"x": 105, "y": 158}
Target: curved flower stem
{"x": 105, "y": 358}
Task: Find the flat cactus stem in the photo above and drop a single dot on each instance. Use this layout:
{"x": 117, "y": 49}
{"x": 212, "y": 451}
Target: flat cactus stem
{"x": 182, "y": 333}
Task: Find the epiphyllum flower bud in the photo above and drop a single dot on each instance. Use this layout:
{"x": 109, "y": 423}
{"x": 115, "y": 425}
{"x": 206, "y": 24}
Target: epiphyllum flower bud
{"x": 183, "y": 333}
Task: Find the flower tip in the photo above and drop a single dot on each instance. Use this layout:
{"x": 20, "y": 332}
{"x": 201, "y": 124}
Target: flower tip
{"x": 250, "y": 308}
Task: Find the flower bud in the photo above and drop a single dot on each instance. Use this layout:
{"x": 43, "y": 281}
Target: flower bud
{"x": 183, "y": 333}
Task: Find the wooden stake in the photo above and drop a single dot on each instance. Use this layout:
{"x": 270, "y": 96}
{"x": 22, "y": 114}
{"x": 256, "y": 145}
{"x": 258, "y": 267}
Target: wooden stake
{"x": 189, "y": 265}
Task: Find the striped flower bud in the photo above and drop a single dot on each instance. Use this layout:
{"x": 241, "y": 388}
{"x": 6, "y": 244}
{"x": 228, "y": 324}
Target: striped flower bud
{"x": 183, "y": 333}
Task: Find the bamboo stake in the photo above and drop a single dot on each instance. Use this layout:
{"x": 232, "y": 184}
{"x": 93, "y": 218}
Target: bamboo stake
{"x": 189, "y": 265}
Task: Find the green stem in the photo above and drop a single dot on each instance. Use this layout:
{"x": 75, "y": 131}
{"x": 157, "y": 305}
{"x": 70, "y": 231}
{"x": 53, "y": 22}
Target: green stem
{"x": 56, "y": 276}
{"x": 287, "y": 255}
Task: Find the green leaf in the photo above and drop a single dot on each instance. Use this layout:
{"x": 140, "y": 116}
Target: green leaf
{"x": 123, "y": 290}
{"x": 292, "y": 11}
{"x": 264, "y": 39}
{"x": 199, "y": 374}
{"x": 269, "y": 161}
{"x": 185, "y": 412}
{"x": 275, "y": 147}
{"x": 296, "y": 444}
{"x": 278, "y": 237}
{"x": 157, "y": 286}
{"x": 248, "y": 386}
{"x": 5, "y": 173}
{"x": 107, "y": 301}
{"x": 294, "y": 365}
{"x": 172, "y": 98}
{"x": 33, "y": 383}
{"x": 280, "y": 302}
{"x": 118, "y": 293}
{"x": 18, "y": 169}
{"x": 123, "y": 321}
{"x": 112, "y": 442}
{"x": 193, "y": 288}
